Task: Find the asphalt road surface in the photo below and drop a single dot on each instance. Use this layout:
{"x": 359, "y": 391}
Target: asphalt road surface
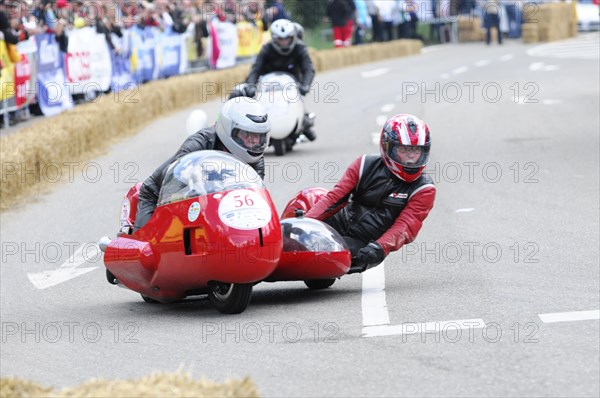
{"x": 498, "y": 296}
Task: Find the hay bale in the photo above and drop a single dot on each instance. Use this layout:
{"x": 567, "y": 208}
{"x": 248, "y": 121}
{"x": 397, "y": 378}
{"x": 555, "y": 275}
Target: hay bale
{"x": 466, "y": 24}
{"x": 178, "y": 384}
{"x": 530, "y": 33}
{"x": 12, "y": 387}
{"x": 161, "y": 385}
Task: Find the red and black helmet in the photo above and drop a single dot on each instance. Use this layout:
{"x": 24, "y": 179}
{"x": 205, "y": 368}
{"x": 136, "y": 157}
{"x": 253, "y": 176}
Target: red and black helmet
{"x": 404, "y": 145}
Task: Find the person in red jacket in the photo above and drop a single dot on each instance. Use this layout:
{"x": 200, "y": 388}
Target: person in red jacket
{"x": 381, "y": 201}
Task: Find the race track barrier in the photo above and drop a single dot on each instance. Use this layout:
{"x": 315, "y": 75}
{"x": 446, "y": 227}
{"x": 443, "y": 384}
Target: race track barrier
{"x": 80, "y": 133}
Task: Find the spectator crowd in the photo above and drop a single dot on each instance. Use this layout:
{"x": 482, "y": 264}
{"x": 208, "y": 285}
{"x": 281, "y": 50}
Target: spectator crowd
{"x": 21, "y": 19}
{"x": 351, "y": 21}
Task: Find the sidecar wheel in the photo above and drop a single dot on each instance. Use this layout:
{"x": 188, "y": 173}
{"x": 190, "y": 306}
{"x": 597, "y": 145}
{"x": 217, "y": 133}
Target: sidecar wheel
{"x": 111, "y": 278}
{"x": 279, "y": 146}
{"x": 230, "y": 298}
{"x": 318, "y": 284}
{"x": 149, "y": 300}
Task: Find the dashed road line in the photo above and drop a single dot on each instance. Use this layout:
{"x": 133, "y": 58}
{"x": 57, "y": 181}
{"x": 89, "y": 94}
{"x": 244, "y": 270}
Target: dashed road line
{"x": 374, "y": 73}
{"x": 570, "y": 316}
{"x": 374, "y": 305}
{"x": 387, "y": 107}
{"x": 424, "y": 327}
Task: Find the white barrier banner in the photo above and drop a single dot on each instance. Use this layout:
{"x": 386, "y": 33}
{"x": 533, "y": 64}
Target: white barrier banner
{"x": 225, "y": 45}
{"x": 88, "y": 64}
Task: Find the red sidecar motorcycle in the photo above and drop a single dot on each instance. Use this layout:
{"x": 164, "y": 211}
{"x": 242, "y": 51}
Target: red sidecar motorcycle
{"x": 215, "y": 231}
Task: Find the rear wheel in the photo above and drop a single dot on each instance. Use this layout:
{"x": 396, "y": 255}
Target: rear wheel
{"x": 289, "y": 143}
{"x": 230, "y": 298}
{"x": 149, "y": 300}
{"x": 318, "y": 284}
{"x": 279, "y": 146}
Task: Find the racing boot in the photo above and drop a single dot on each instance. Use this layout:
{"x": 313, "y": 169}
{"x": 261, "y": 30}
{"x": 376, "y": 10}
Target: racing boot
{"x": 308, "y": 123}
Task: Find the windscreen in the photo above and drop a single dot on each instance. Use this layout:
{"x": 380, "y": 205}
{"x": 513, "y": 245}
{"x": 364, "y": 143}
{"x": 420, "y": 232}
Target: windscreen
{"x": 306, "y": 234}
{"x": 204, "y": 172}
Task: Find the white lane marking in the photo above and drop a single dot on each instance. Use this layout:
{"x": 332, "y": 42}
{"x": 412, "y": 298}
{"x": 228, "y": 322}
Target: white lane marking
{"x": 375, "y": 138}
{"x": 578, "y": 48}
{"x": 380, "y": 120}
{"x": 374, "y": 306}
{"x": 460, "y": 70}
{"x": 425, "y": 327}
{"x": 506, "y": 57}
{"x": 570, "y": 316}
{"x": 374, "y": 73}
{"x": 552, "y": 102}
{"x": 68, "y": 270}
{"x": 430, "y": 49}
{"x": 387, "y": 107}
{"x": 481, "y": 63}
{"x": 536, "y": 66}
{"x": 465, "y": 210}
{"x": 550, "y": 68}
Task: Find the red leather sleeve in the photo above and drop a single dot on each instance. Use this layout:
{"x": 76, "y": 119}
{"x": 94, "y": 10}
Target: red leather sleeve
{"x": 409, "y": 222}
{"x": 337, "y": 198}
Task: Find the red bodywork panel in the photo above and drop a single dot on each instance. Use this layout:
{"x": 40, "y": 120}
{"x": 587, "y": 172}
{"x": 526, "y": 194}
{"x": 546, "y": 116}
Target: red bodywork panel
{"x": 298, "y": 266}
{"x": 171, "y": 255}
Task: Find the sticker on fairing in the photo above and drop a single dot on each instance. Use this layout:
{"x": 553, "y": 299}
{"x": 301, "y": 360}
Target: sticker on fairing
{"x": 194, "y": 211}
{"x": 125, "y": 211}
{"x": 244, "y": 209}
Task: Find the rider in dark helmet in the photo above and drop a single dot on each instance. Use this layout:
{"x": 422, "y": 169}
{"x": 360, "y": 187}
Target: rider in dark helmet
{"x": 242, "y": 129}
{"x": 286, "y": 53}
{"x": 381, "y": 201}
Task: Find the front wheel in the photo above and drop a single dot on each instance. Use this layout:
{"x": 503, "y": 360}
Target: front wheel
{"x": 230, "y": 298}
{"x": 318, "y": 284}
{"x": 279, "y": 146}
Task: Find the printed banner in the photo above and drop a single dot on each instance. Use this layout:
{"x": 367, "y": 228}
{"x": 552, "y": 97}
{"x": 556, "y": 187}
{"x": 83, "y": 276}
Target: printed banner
{"x": 169, "y": 53}
{"x": 121, "y": 66}
{"x": 53, "y": 94}
{"x": 226, "y": 41}
{"x": 88, "y": 65}
{"x": 7, "y": 77}
{"x": 142, "y": 54}
{"x": 22, "y": 80}
{"x": 29, "y": 48}
{"x": 250, "y": 38}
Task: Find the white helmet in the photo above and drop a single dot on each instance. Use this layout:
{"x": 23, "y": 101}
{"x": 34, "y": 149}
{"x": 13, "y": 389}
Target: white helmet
{"x": 243, "y": 127}
{"x": 283, "y": 35}
{"x": 299, "y": 31}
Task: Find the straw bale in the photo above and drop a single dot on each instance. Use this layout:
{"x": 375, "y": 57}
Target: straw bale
{"x": 12, "y": 387}
{"x": 530, "y": 33}
{"x": 467, "y": 24}
{"x": 177, "y": 384}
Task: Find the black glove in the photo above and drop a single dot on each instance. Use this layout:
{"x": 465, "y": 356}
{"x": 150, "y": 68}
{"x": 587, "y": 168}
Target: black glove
{"x": 368, "y": 257}
{"x": 250, "y": 90}
{"x": 304, "y": 90}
